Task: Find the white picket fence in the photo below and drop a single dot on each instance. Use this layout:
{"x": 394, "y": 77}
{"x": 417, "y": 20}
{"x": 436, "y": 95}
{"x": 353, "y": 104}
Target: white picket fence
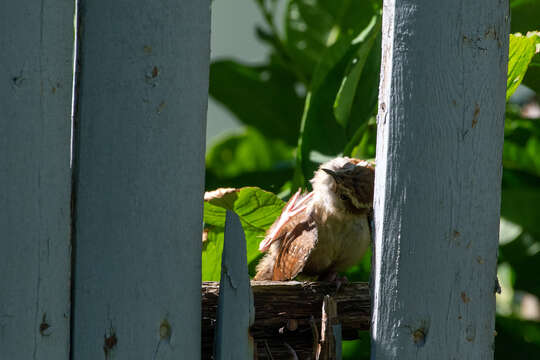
{"x": 102, "y": 259}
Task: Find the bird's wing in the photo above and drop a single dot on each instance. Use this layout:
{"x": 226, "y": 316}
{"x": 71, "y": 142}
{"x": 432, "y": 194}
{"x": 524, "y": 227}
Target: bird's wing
{"x": 295, "y": 247}
{"x": 295, "y": 206}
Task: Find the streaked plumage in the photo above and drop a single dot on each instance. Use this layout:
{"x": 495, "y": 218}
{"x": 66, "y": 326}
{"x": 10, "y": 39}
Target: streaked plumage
{"x": 324, "y": 231}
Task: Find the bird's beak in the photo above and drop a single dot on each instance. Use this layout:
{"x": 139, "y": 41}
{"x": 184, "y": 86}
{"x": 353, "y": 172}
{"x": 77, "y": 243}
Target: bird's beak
{"x": 332, "y": 173}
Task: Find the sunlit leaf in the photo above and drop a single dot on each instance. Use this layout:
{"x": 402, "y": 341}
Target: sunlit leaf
{"x": 347, "y": 91}
{"x": 211, "y": 253}
{"x": 522, "y": 50}
{"x": 321, "y": 135}
{"x": 311, "y": 26}
{"x": 257, "y": 210}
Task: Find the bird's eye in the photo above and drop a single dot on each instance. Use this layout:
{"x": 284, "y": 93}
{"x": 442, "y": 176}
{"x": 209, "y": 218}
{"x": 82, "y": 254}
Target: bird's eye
{"x": 344, "y": 197}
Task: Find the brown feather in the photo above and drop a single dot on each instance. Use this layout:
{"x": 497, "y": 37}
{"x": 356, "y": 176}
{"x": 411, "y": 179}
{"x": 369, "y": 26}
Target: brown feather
{"x": 331, "y": 233}
{"x": 295, "y": 248}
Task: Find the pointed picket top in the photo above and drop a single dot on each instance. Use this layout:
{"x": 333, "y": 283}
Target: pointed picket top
{"x": 235, "y": 307}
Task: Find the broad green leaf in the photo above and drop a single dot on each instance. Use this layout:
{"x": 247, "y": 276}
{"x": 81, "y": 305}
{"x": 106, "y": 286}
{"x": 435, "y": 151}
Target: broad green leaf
{"x": 311, "y": 26}
{"x": 321, "y": 135}
{"x": 257, "y": 210}
{"x": 347, "y": 91}
{"x": 247, "y": 152}
{"x": 211, "y": 253}
{"x": 263, "y": 97}
{"x": 522, "y": 49}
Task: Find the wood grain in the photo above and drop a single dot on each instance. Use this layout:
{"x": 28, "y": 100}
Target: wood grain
{"x": 283, "y": 311}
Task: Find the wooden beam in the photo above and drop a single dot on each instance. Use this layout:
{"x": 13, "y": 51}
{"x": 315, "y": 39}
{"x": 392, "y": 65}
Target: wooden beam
{"x": 283, "y": 313}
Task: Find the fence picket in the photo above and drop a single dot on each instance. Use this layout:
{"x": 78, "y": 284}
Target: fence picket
{"x": 36, "y": 75}
{"x": 236, "y": 311}
{"x": 438, "y": 179}
{"x": 141, "y": 110}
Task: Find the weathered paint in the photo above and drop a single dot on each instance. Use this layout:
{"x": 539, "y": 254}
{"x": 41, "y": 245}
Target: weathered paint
{"x": 236, "y": 311}
{"x": 439, "y": 147}
{"x": 36, "y": 42}
{"x": 140, "y": 120}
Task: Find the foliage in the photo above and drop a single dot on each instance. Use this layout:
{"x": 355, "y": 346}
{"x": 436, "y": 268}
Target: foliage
{"x": 315, "y": 97}
{"x": 257, "y": 210}
{"x": 522, "y": 50}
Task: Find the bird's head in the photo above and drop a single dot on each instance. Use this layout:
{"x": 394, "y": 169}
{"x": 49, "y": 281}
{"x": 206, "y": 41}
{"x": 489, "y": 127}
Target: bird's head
{"x": 345, "y": 185}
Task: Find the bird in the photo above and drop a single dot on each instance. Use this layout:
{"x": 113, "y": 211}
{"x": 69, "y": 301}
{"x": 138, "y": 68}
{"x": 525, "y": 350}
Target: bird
{"x": 325, "y": 231}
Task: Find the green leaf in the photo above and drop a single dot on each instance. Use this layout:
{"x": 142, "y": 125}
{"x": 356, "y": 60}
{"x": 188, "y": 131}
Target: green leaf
{"x": 522, "y": 49}
{"x": 321, "y": 135}
{"x": 249, "y": 158}
{"x": 257, "y": 210}
{"x": 263, "y": 97}
{"x": 347, "y": 91}
{"x": 250, "y": 151}
{"x": 211, "y": 253}
{"x": 311, "y": 26}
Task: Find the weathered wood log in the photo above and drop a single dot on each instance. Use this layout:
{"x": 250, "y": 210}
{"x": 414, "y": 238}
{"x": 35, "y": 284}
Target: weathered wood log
{"x": 286, "y": 312}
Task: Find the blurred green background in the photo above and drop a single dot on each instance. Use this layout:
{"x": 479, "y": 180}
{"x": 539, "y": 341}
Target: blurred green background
{"x": 295, "y": 82}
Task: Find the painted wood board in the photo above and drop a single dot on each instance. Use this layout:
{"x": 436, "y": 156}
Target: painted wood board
{"x": 141, "y": 121}
{"x": 438, "y": 178}
{"x": 35, "y": 123}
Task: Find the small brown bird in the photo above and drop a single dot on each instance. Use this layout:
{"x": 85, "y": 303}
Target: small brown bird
{"x": 324, "y": 231}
